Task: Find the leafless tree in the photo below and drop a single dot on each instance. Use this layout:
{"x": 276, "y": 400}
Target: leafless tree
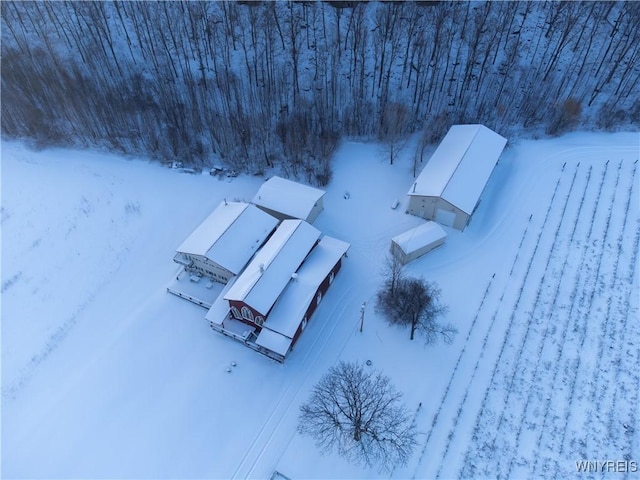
{"x": 356, "y": 411}
{"x": 395, "y": 125}
{"x": 414, "y": 302}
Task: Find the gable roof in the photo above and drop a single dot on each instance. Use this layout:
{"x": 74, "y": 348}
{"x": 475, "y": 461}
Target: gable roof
{"x": 461, "y": 166}
{"x": 230, "y": 235}
{"x": 293, "y": 199}
{"x": 288, "y": 312}
{"x": 262, "y": 282}
{"x": 420, "y": 236}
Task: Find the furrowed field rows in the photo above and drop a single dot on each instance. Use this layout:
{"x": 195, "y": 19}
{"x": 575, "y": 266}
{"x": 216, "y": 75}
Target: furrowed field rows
{"x": 482, "y": 449}
{"x": 549, "y": 347}
{"x": 562, "y": 389}
{"x": 569, "y": 354}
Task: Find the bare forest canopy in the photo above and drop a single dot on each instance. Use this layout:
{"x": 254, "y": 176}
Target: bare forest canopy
{"x": 264, "y": 83}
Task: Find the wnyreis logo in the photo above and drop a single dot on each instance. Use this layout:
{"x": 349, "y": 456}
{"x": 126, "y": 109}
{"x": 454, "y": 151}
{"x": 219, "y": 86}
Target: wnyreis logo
{"x": 607, "y": 466}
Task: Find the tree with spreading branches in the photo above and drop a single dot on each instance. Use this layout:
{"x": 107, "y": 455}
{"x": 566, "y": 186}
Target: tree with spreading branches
{"x": 357, "y": 412}
{"x": 414, "y": 302}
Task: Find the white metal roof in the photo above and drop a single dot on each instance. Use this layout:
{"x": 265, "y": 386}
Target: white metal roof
{"x": 461, "y": 166}
{"x": 290, "y": 198}
{"x": 289, "y": 309}
{"x": 262, "y": 282}
{"x": 220, "y": 307}
{"x": 274, "y": 341}
{"x": 419, "y": 237}
{"x": 231, "y": 235}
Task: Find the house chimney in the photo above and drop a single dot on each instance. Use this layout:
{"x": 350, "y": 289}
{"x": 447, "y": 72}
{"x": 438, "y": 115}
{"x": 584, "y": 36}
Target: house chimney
{"x": 294, "y": 277}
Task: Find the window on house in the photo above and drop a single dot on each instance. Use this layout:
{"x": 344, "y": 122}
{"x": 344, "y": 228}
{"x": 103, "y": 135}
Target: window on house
{"x": 247, "y": 314}
{"x": 304, "y": 323}
{"x": 319, "y": 297}
{"x": 235, "y": 312}
{"x": 331, "y": 275}
{"x": 259, "y": 320}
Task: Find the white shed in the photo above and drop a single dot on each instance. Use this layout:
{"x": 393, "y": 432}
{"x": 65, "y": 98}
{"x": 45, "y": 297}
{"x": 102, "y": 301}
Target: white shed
{"x": 449, "y": 187}
{"x": 416, "y": 242}
{"x": 285, "y": 199}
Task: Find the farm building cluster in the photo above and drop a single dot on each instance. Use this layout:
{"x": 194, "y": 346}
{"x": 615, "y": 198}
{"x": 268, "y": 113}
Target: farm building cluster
{"x": 262, "y": 264}
{"x": 261, "y": 268}
{"x": 448, "y": 189}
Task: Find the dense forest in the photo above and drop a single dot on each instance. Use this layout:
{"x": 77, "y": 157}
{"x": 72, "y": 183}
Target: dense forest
{"x": 258, "y": 84}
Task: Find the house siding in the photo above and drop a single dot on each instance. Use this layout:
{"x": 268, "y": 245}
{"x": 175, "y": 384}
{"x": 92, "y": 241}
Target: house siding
{"x": 200, "y": 265}
{"x": 322, "y": 289}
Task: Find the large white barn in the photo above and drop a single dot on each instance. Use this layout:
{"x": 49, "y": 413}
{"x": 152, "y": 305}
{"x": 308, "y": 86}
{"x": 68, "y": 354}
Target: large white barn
{"x": 449, "y": 187}
{"x": 285, "y": 199}
{"x": 225, "y": 241}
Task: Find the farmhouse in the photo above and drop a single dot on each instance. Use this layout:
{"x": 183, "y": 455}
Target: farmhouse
{"x": 225, "y": 241}
{"x": 285, "y": 199}
{"x": 416, "y": 242}
{"x": 270, "y": 303}
{"x": 449, "y": 187}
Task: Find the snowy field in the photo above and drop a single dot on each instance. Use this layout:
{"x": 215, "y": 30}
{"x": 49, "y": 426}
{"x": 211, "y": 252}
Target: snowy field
{"x": 106, "y": 375}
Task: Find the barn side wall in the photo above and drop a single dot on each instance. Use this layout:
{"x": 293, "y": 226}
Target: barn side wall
{"x": 427, "y": 208}
{"x": 322, "y": 289}
{"x": 317, "y": 209}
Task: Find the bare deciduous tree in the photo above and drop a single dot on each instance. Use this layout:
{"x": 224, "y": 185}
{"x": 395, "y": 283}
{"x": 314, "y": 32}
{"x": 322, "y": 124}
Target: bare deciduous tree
{"x": 413, "y": 302}
{"x": 356, "y": 411}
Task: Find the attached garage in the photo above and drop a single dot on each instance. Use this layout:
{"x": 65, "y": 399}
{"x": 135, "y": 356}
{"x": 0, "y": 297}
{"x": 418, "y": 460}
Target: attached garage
{"x": 449, "y": 187}
{"x": 416, "y": 242}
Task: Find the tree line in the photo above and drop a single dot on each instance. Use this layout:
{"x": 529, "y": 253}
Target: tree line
{"x": 264, "y": 83}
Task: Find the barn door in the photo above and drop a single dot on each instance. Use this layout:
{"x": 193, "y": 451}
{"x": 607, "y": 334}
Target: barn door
{"x": 446, "y": 218}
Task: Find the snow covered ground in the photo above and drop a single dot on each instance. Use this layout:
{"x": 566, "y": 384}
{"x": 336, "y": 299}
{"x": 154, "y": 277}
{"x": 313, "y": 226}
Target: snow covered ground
{"x": 106, "y": 375}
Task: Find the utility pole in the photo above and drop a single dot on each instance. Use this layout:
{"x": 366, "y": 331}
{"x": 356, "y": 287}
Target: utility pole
{"x": 362, "y": 307}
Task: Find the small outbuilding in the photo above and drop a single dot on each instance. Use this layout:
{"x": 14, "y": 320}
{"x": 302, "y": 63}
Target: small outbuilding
{"x": 285, "y": 199}
{"x": 449, "y": 187}
{"x": 416, "y": 242}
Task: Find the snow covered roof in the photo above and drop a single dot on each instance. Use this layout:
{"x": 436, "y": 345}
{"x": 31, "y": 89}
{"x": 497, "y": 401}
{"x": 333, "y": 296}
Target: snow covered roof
{"x": 290, "y": 198}
{"x": 288, "y": 311}
{"x": 230, "y": 235}
{"x": 418, "y": 237}
{"x": 262, "y": 282}
{"x": 274, "y": 341}
{"x": 461, "y": 166}
{"x": 220, "y": 307}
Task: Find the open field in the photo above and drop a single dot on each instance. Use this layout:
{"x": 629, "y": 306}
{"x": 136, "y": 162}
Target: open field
{"x": 104, "y": 374}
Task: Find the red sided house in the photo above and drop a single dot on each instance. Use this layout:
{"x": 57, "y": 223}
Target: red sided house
{"x": 269, "y": 304}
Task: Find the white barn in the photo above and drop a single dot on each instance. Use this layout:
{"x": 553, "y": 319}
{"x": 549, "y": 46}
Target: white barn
{"x": 225, "y": 241}
{"x": 285, "y": 199}
{"x": 449, "y": 187}
{"x": 416, "y": 242}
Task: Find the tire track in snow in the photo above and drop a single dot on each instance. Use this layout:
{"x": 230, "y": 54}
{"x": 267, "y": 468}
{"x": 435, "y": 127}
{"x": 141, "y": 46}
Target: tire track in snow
{"x": 263, "y": 439}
